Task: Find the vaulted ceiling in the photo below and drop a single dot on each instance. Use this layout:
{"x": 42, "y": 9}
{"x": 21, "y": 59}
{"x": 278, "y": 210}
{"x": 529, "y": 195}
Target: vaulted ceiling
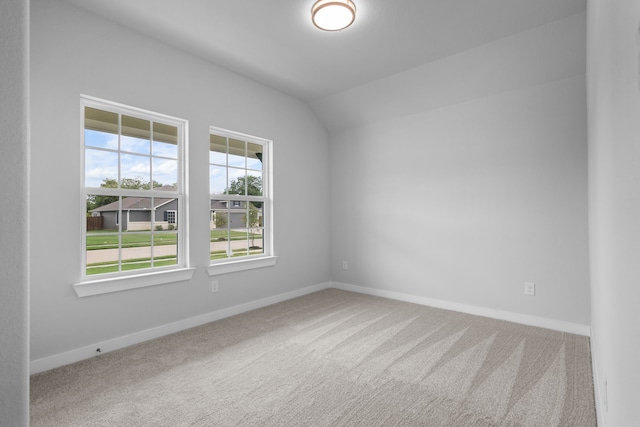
{"x": 275, "y": 43}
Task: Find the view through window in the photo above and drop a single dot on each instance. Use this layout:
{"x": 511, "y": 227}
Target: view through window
{"x": 133, "y": 189}
{"x": 239, "y": 221}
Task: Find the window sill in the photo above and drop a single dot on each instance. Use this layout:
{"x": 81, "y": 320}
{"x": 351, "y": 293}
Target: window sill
{"x": 245, "y": 264}
{"x": 124, "y": 283}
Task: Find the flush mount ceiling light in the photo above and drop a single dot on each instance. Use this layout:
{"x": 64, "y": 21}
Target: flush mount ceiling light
{"x": 333, "y": 15}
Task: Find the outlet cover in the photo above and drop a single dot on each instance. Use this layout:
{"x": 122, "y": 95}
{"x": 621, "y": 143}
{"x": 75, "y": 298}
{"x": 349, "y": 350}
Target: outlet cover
{"x": 214, "y": 286}
{"x": 529, "y": 288}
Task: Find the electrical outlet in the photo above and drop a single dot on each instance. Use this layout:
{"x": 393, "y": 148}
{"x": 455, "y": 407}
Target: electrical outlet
{"x": 214, "y": 286}
{"x": 529, "y": 288}
{"x": 345, "y": 265}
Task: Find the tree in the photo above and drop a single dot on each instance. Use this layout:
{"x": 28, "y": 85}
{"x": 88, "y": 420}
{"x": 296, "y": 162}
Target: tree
{"x": 137, "y": 183}
{"x": 252, "y": 219}
{"x": 252, "y": 183}
{"x": 220, "y": 219}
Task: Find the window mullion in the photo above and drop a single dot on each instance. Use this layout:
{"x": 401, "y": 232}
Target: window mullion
{"x": 120, "y": 220}
{"x": 153, "y": 228}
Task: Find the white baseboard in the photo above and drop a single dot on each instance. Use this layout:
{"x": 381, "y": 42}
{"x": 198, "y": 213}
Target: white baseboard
{"x": 525, "y": 319}
{"x": 86, "y": 352}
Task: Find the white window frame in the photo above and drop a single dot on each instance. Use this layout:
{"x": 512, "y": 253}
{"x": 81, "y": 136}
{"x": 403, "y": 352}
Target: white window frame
{"x": 124, "y": 280}
{"x": 268, "y": 257}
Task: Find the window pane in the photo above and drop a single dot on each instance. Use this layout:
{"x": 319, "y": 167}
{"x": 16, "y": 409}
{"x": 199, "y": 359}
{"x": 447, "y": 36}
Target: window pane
{"x": 134, "y": 145}
{"x": 136, "y": 215}
{"x": 256, "y": 215}
{"x": 161, "y": 149}
{"x": 135, "y": 171}
{"x": 102, "y": 213}
{"x": 244, "y": 242}
{"x": 237, "y": 153}
{"x": 217, "y": 150}
{"x": 165, "y": 172}
{"x": 102, "y": 239}
{"x": 165, "y": 140}
{"x": 102, "y": 252}
{"x": 254, "y": 156}
{"x": 237, "y": 214}
{"x": 254, "y": 183}
{"x": 136, "y": 135}
{"x": 256, "y": 245}
{"x": 219, "y": 228}
{"x": 100, "y": 167}
{"x": 236, "y": 181}
{"x": 100, "y": 120}
{"x": 136, "y": 251}
{"x": 98, "y": 139}
{"x": 165, "y": 248}
{"x": 219, "y": 246}
{"x": 217, "y": 179}
{"x": 219, "y": 214}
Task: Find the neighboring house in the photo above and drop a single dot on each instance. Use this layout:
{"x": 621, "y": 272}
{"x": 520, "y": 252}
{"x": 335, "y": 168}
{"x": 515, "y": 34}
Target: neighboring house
{"x": 234, "y": 210}
{"x": 137, "y": 213}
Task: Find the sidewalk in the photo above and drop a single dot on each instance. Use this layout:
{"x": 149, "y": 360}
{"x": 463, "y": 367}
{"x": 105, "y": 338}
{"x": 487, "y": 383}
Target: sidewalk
{"x": 111, "y": 255}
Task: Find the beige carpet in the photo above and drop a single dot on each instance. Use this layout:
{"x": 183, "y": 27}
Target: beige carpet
{"x": 332, "y": 358}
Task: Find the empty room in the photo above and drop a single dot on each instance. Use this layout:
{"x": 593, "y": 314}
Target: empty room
{"x": 243, "y": 213}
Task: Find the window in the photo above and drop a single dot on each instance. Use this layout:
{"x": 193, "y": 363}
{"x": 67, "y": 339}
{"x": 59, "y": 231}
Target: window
{"x": 170, "y": 217}
{"x": 240, "y": 204}
{"x": 133, "y": 178}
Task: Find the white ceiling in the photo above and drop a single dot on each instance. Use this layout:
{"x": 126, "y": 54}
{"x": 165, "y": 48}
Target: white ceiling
{"x": 275, "y": 43}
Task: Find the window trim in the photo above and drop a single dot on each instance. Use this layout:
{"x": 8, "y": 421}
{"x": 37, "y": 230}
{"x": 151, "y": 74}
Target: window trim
{"x": 133, "y": 281}
{"x": 268, "y": 258}
{"x": 124, "y": 280}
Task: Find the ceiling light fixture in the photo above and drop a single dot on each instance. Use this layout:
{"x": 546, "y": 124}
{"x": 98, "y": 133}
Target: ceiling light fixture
{"x": 333, "y": 15}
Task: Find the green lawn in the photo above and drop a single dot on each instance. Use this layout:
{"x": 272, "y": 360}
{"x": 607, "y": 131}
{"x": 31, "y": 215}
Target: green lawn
{"x": 103, "y": 240}
{"x": 106, "y": 239}
{"x": 130, "y": 264}
{"x": 236, "y": 253}
{"x": 219, "y": 235}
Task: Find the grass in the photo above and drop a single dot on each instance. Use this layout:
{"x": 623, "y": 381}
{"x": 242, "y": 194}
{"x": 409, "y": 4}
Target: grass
{"x": 140, "y": 263}
{"x": 102, "y": 240}
{"x": 108, "y": 239}
{"x": 215, "y": 255}
{"x": 130, "y": 264}
{"x": 221, "y": 235}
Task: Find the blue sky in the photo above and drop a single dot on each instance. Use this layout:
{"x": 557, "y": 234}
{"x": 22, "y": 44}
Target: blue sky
{"x": 135, "y": 162}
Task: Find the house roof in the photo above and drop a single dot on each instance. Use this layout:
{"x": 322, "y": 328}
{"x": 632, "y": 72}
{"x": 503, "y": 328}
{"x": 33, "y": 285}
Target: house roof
{"x": 217, "y": 205}
{"x": 137, "y": 203}
{"x": 134, "y": 204}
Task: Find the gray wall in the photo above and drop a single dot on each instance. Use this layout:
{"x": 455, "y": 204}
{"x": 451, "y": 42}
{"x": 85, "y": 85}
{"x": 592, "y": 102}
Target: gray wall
{"x": 73, "y": 53}
{"x": 14, "y": 227}
{"x": 462, "y": 179}
{"x": 614, "y": 206}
